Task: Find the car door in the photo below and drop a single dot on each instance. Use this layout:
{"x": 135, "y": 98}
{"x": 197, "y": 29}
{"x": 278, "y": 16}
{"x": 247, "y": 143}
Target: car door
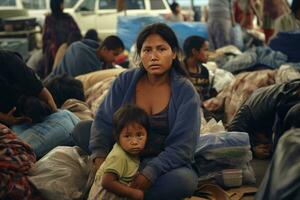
{"x": 84, "y": 14}
{"x": 107, "y": 14}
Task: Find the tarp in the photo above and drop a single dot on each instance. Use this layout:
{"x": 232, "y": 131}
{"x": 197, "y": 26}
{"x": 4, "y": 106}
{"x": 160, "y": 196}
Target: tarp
{"x": 130, "y": 26}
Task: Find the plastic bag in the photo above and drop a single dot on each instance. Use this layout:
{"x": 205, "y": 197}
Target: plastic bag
{"x": 232, "y": 148}
{"x": 61, "y": 174}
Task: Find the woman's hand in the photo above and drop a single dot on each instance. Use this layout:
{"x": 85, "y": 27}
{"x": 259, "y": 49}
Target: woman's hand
{"x": 141, "y": 182}
{"x": 9, "y": 119}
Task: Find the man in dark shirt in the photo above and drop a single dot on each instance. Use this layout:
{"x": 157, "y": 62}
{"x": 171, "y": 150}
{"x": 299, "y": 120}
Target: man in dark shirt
{"x": 16, "y": 79}
{"x": 262, "y": 114}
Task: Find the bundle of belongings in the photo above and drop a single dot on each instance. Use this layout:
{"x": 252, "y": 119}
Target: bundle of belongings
{"x": 221, "y": 151}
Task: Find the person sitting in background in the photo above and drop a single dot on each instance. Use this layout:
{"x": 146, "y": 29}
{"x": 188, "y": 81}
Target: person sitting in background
{"x": 176, "y": 15}
{"x": 57, "y": 28}
{"x": 262, "y": 115}
{"x": 196, "y": 52}
{"x": 87, "y": 56}
{"x": 16, "y": 80}
{"x": 112, "y": 180}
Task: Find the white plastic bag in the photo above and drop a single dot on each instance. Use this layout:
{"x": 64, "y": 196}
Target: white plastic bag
{"x": 61, "y": 174}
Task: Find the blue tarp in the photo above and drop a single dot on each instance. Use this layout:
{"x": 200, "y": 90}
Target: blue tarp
{"x": 130, "y": 26}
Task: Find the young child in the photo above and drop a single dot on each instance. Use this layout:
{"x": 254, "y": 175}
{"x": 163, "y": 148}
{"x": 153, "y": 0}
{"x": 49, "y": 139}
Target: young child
{"x": 120, "y": 166}
{"x": 196, "y": 52}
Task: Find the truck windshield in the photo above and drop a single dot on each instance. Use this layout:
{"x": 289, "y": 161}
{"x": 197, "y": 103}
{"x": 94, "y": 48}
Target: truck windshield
{"x": 70, "y": 3}
{"x": 8, "y": 3}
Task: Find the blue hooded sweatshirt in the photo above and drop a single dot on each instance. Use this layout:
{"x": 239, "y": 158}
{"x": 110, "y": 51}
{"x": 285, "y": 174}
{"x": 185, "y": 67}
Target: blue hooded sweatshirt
{"x": 183, "y": 120}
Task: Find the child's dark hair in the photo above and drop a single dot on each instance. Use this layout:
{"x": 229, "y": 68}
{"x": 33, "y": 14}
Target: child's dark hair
{"x": 192, "y": 42}
{"x": 63, "y": 87}
{"x": 33, "y": 107}
{"x": 129, "y": 114}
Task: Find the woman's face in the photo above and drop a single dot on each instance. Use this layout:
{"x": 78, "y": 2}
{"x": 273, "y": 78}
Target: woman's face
{"x": 156, "y": 55}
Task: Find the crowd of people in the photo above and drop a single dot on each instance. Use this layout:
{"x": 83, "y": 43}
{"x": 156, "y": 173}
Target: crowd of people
{"x": 143, "y": 136}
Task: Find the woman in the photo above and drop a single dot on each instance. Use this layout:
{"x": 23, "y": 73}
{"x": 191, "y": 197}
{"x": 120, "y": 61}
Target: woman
{"x": 161, "y": 89}
{"x": 58, "y": 26}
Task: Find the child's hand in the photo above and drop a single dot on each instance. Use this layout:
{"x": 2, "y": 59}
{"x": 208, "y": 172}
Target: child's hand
{"x": 137, "y": 194}
{"x": 140, "y": 182}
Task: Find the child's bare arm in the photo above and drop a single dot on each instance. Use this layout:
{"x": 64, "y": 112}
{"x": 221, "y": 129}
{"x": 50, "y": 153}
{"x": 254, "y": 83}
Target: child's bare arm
{"x": 110, "y": 182}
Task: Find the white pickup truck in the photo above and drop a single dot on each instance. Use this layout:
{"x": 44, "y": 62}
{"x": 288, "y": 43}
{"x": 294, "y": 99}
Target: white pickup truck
{"x": 97, "y": 14}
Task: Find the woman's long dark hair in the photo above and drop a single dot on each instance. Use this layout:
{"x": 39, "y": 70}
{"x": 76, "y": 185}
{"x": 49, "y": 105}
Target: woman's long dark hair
{"x": 55, "y": 6}
{"x": 168, "y": 35}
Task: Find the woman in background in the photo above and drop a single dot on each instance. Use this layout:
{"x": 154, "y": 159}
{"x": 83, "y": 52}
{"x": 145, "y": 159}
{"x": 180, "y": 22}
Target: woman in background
{"x": 58, "y": 26}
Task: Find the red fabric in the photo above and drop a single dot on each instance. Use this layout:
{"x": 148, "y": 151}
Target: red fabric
{"x": 268, "y": 34}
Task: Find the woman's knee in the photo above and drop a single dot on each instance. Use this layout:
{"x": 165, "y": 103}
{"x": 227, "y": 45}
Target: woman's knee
{"x": 176, "y": 184}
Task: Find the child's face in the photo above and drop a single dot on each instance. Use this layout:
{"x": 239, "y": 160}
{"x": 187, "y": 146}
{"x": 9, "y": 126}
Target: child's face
{"x": 202, "y": 55}
{"x": 133, "y": 138}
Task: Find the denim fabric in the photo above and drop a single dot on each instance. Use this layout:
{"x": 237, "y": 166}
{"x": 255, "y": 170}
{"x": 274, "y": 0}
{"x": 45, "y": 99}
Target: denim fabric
{"x": 176, "y": 184}
{"x": 259, "y": 56}
{"x": 54, "y": 131}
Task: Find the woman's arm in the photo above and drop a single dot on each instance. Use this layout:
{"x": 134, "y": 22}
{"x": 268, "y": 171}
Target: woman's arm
{"x": 9, "y": 119}
{"x": 101, "y": 140}
{"x": 45, "y": 96}
{"x": 110, "y": 182}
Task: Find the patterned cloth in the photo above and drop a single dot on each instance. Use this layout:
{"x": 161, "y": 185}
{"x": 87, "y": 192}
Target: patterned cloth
{"x": 16, "y": 158}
